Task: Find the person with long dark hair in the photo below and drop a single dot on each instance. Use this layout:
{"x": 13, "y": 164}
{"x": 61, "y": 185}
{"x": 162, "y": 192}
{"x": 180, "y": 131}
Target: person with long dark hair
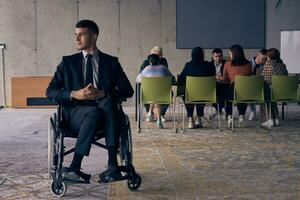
{"x": 196, "y": 67}
{"x": 237, "y": 65}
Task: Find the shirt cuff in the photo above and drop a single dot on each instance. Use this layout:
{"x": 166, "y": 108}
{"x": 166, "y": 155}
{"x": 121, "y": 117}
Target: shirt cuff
{"x": 71, "y": 95}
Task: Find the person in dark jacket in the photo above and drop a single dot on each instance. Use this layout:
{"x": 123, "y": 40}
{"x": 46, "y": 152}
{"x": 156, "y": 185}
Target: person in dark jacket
{"x": 87, "y": 84}
{"x": 196, "y": 67}
{"x": 218, "y": 62}
{"x": 162, "y": 61}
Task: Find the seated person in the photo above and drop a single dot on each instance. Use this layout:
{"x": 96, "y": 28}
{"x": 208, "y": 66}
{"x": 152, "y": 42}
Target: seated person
{"x": 256, "y": 63}
{"x": 218, "y": 62}
{"x": 87, "y": 95}
{"x": 163, "y": 61}
{"x": 155, "y": 70}
{"x": 237, "y": 65}
{"x": 196, "y": 67}
{"x": 273, "y": 66}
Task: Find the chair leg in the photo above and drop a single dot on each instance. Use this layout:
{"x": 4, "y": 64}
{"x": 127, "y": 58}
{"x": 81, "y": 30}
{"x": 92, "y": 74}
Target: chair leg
{"x": 174, "y": 125}
{"x": 210, "y": 113}
{"x": 290, "y": 118}
{"x": 232, "y": 117}
{"x": 179, "y": 108}
{"x": 273, "y": 115}
{"x": 219, "y": 121}
{"x": 266, "y": 111}
{"x": 139, "y": 119}
{"x": 174, "y": 105}
{"x": 270, "y": 115}
{"x": 182, "y": 117}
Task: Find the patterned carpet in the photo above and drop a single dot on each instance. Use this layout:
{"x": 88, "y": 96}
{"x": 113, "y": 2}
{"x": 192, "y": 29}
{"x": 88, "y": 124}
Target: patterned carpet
{"x": 250, "y": 163}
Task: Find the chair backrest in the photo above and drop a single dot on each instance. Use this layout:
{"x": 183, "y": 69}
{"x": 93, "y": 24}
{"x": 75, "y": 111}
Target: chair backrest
{"x": 200, "y": 89}
{"x": 284, "y": 88}
{"x": 156, "y": 90}
{"x": 249, "y": 89}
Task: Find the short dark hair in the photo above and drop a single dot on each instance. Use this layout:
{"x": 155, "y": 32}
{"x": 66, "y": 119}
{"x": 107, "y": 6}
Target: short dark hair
{"x": 86, "y": 23}
{"x": 273, "y": 54}
{"x": 263, "y": 51}
{"x": 153, "y": 59}
{"x": 217, "y": 50}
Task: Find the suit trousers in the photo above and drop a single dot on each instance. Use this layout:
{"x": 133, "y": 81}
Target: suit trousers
{"x": 85, "y": 120}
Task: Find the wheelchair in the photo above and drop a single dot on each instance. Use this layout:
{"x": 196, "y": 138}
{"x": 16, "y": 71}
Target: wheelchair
{"x": 57, "y": 131}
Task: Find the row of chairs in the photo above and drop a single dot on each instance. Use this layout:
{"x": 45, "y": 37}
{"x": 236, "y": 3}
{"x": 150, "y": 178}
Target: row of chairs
{"x": 202, "y": 90}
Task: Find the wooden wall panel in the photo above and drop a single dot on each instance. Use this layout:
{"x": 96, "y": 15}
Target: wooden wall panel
{"x": 24, "y": 87}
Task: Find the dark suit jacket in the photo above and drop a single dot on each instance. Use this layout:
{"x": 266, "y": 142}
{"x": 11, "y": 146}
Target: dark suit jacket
{"x": 68, "y": 77}
{"x": 222, "y": 66}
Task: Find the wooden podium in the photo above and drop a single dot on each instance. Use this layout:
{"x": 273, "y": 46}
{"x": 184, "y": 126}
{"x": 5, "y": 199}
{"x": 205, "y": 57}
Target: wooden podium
{"x": 29, "y": 92}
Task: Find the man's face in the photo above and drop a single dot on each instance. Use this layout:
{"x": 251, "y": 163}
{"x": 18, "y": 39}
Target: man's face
{"x": 261, "y": 59}
{"x": 84, "y": 38}
{"x": 217, "y": 57}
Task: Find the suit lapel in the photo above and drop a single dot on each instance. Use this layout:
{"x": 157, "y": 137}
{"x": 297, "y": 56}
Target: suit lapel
{"x": 101, "y": 68}
{"x": 78, "y": 68}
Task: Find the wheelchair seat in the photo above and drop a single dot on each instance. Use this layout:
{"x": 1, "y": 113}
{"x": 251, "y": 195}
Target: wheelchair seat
{"x": 58, "y": 130}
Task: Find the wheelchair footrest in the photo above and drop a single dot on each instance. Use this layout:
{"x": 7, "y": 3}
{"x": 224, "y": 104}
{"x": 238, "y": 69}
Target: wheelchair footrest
{"x": 108, "y": 180}
{"x": 73, "y": 177}
{"x": 112, "y": 174}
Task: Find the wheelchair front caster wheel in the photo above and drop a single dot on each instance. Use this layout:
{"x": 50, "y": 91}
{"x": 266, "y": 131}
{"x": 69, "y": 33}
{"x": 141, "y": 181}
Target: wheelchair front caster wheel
{"x": 58, "y": 189}
{"x": 134, "y": 182}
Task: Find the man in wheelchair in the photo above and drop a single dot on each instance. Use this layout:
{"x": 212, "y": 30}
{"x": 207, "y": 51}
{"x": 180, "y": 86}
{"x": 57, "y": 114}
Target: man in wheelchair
{"x": 87, "y": 85}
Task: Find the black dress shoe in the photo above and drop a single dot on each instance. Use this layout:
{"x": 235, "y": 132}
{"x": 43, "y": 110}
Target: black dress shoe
{"x": 110, "y": 175}
{"x": 72, "y": 176}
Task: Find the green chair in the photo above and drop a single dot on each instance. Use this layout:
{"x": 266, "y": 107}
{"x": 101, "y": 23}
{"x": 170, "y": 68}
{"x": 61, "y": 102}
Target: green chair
{"x": 247, "y": 89}
{"x": 284, "y": 89}
{"x": 155, "y": 90}
{"x": 201, "y": 90}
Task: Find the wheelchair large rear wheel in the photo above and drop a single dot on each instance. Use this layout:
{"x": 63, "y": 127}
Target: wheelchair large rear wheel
{"x": 126, "y": 143}
{"x": 51, "y": 146}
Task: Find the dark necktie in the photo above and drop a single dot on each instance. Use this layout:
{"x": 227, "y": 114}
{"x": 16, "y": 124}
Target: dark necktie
{"x": 89, "y": 70}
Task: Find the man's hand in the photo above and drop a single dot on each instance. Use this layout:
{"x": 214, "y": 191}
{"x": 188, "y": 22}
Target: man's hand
{"x": 87, "y": 93}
